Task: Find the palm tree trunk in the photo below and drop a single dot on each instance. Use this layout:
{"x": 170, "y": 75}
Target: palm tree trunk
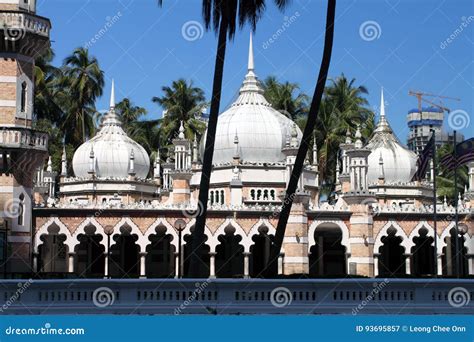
{"x": 198, "y": 234}
{"x": 308, "y": 131}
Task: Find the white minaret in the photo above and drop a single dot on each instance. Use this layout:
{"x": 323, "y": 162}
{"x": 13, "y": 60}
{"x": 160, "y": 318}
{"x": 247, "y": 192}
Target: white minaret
{"x": 315, "y": 152}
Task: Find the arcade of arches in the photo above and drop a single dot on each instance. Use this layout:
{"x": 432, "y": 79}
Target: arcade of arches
{"x": 230, "y": 253}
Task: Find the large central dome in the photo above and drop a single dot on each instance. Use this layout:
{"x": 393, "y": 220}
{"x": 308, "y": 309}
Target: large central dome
{"x": 261, "y": 130}
{"x": 111, "y": 150}
{"x": 399, "y": 163}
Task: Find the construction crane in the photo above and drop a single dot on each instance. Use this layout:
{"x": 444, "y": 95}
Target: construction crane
{"x": 419, "y": 96}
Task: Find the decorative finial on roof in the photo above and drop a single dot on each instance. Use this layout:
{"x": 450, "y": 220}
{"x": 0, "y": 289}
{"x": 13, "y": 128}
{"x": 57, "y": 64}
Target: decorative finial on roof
{"x": 381, "y": 170}
{"x": 382, "y": 105}
{"x": 236, "y": 144}
{"x": 251, "y": 64}
{"x": 49, "y": 168}
{"x": 382, "y": 125}
{"x": 112, "y": 95}
{"x": 181, "y": 131}
{"x": 348, "y": 136}
{"x": 64, "y": 162}
{"x": 294, "y": 136}
{"x": 358, "y": 136}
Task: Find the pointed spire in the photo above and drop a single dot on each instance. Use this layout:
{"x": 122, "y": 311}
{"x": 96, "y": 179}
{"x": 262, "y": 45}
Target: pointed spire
{"x": 91, "y": 161}
{"x": 251, "y": 64}
{"x": 112, "y": 95}
{"x": 382, "y": 105}
{"x": 382, "y": 125}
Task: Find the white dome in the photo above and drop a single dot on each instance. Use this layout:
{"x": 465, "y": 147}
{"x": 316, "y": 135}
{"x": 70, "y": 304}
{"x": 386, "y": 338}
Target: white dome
{"x": 261, "y": 130}
{"x": 399, "y": 163}
{"x": 112, "y": 150}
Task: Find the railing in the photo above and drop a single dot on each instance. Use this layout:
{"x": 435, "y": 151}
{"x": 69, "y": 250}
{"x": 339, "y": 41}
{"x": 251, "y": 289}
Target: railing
{"x": 242, "y": 296}
{"x": 15, "y": 137}
{"x": 25, "y": 22}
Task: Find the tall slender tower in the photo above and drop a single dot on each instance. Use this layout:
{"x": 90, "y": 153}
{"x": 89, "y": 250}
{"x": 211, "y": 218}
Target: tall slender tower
{"x": 23, "y": 37}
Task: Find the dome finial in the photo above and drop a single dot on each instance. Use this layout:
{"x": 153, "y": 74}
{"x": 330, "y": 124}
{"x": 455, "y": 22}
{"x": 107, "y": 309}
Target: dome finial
{"x": 251, "y": 64}
{"x": 382, "y": 105}
{"x": 112, "y": 95}
{"x": 358, "y": 136}
{"x": 50, "y": 165}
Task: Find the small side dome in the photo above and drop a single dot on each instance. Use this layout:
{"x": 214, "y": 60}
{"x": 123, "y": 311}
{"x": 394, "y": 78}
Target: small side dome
{"x": 111, "y": 151}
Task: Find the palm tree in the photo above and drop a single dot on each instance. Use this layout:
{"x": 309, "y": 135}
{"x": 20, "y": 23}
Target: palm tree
{"x": 343, "y": 107}
{"x": 282, "y": 97}
{"x": 222, "y": 16}
{"x": 46, "y": 76}
{"x": 85, "y": 81}
{"x": 307, "y": 135}
{"x": 181, "y": 102}
{"x": 445, "y": 177}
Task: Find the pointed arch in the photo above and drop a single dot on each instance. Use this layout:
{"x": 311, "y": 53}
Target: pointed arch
{"x": 384, "y": 232}
{"x": 468, "y": 240}
{"x": 169, "y": 230}
{"x": 63, "y": 230}
{"x": 91, "y": 221}
{"x": 342, "y": 226}
{"x": 142, "y": 241}
{"x": 416, "y": 232}
{"x": 263, "y": 222}
{"x": 214, "y": 239}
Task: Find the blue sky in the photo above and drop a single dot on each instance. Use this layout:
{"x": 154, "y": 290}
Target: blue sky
{"x": 144, "y": 48}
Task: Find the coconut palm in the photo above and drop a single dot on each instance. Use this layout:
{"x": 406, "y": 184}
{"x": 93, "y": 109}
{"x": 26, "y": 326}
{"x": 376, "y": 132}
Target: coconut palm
{"x": 46, "y": 90}
{"x": 283, "y": 97}
{"x": 307, "y": 135}
{"x": 181, "y": 101}
{"x": 445, "y": 178}
{"x": 85, "y": 81}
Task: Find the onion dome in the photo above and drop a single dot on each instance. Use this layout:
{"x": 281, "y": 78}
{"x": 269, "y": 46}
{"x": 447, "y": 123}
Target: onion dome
{"x": 261, "y": 129}
{"x": 112, "y": 150}
{"x": 399, "y": 163}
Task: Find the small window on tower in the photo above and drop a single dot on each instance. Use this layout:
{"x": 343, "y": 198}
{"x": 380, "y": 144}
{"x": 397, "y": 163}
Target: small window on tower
{"x": 24, "y": 89}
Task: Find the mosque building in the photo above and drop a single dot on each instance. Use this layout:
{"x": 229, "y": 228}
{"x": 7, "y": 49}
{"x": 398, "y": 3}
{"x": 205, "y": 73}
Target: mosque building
{"x": 118, "y": 216}
{"x": 381, "y": 223}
